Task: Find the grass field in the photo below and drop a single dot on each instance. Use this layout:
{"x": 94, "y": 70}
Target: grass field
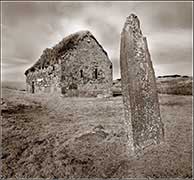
{"x": 56, "y": 137}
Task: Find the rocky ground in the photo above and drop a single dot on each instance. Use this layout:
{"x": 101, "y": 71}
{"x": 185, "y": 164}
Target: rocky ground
{"x": 54, "y": 137}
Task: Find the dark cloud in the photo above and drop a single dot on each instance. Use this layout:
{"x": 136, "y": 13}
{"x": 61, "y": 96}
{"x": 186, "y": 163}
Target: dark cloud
{"x": 30, "y": 27}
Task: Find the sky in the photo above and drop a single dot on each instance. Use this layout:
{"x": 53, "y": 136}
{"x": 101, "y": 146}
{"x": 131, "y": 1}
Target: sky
{"x": 30, "y": 27}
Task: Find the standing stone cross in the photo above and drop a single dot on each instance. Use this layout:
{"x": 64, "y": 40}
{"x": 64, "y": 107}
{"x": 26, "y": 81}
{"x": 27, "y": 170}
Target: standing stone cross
{"x": 142, "y": 112}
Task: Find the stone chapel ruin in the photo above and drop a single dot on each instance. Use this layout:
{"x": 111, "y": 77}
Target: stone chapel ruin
{"x": 77, "y": 66}
{"x": 142, "y": 113}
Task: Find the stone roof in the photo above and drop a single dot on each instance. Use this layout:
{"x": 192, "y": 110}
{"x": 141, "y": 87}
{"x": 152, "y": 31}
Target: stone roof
{"x": 50, "y": 55}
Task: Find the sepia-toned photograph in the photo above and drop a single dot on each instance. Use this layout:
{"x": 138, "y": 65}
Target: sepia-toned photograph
{"x": 96, "y": 90}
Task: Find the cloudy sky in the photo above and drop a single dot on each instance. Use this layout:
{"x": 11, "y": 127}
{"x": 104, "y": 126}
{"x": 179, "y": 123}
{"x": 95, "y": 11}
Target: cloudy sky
{"x": 30, "y": 27}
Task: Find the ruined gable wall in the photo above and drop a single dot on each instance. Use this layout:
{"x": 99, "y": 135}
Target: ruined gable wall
{"x": 79, "y": 69}
{"x": 45, "y": 79}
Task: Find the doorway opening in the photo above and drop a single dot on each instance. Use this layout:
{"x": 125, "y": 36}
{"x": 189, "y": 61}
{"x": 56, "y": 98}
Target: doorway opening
{"x": 33, "y": 87}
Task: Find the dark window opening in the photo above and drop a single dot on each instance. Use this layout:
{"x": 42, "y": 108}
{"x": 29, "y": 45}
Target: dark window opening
{"x": 81, "y": 73}
{"x": 73, "y": 86}
{"x": 63, "y": 77}
{"x": 63, "y": 90}
{"x": 111, "y": 66}
{"x": 33, "y": 87}
{"x": 33, "y": 69}
{"x": 96, "y": 73}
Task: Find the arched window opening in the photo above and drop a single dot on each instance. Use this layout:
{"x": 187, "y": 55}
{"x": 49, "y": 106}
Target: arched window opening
{"x": 111, "y": 66}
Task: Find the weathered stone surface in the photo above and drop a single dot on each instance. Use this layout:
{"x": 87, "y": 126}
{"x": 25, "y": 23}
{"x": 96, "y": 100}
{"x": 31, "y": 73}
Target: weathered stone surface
{"x": 77, "y": 66}
{"x": 140, "y": 97}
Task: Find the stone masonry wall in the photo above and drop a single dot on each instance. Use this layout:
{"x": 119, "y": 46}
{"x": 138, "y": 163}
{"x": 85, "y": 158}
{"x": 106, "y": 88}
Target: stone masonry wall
{"x": 86, "y": 70}
{"x": 45, "y": 80}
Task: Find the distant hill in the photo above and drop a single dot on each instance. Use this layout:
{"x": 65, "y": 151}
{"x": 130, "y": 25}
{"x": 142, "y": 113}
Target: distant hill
{"x": 180, "y": 85}
{"x": 168, "y": 84}
{"x": 13, "y": 85}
